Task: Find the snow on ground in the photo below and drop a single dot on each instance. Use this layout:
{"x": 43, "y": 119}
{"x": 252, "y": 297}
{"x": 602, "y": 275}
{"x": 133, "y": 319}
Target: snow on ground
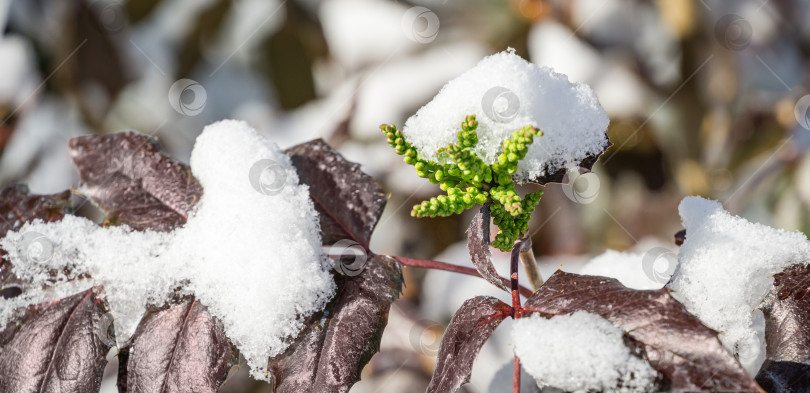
{"x": 649, "y": 270}
{"x": 579, "y": 352}
{"x": 392, "y": 90}
{"x": 506, "y": 93}
{"x": 252, "y": 257}
{"x": 503, "y": 380}
{"x": 362, "y": 32}
{"x": 725, "y": 270}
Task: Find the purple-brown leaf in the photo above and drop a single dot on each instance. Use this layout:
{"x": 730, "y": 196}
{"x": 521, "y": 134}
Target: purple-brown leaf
{"x": 784, "y": 377}
{"x": 175, "y": 349}
{"x": 329, "y": 354}
{"x": 787, "y": 332}
{"x": 687, "y": 353}
{"x": 787, "y": 316}
{"x": 470, "y": 328}
{"x": 60, "y": 348}
{"x": 478, "y": 245}
{"x": 18, "y": 206}
{"x": 128, "y": 176}
{"x": 349, "y": 202}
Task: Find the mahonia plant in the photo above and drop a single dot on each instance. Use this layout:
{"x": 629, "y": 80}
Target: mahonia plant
{"x": 468, "y": 181}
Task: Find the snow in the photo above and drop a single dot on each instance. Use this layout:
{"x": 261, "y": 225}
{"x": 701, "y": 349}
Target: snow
{"x": 725, "y": 270}
{"x": 579, "y": 352}
{"x": 619, "y": 25}
{"x": 363, "y": 32}
{"x": 650, "y": 270}
{"x": 246, "y": 26}
{"x": 254, "y": 259}
{"x": 503, "y": 380}
{"x": 36, "y": 153}
{"x": 454, "y": 289}
{"x": 18, "y": 70}
{"x": 506, "y": 93}
{"x": 620, "y": 91}
{"x": 4, "y": 4}
{"x": 414, "y": 78}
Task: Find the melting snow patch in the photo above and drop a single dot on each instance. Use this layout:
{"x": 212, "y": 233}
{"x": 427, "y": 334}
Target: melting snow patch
{"x": 253, "y": 258}
{"x": 579, "y": 352}
{"x": 506, "y": 92}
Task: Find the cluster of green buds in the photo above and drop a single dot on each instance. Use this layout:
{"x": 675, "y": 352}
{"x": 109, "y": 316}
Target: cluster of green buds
{"x": 468, "y": 180}
{"x": 510, "y": 225}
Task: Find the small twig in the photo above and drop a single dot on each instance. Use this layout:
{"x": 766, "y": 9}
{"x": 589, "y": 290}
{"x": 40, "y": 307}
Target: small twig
{"x": 453, "y": 268}
{"x": 513, "y": 277}
{"x": 530, "y": 264}
{"x": 517, "y": 250}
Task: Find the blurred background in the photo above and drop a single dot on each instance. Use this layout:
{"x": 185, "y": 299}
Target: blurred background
{"x": 706, "y": 97}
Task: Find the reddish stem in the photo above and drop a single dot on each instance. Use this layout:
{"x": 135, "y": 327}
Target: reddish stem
{"x": 513, "y": 269}
{"x": 513, "y": 276}
{"x": 455, "y": 269}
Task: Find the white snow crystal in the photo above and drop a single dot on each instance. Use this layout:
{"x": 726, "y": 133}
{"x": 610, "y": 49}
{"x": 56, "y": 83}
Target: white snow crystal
{"x": 253, "y": 258}
{"x": 726, "y": 266}
{"x": 579, "y": 352}
{"x": 506, "y": 93}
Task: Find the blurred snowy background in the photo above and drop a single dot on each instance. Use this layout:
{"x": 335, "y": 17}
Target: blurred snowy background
{"x": 706, "y": 97}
